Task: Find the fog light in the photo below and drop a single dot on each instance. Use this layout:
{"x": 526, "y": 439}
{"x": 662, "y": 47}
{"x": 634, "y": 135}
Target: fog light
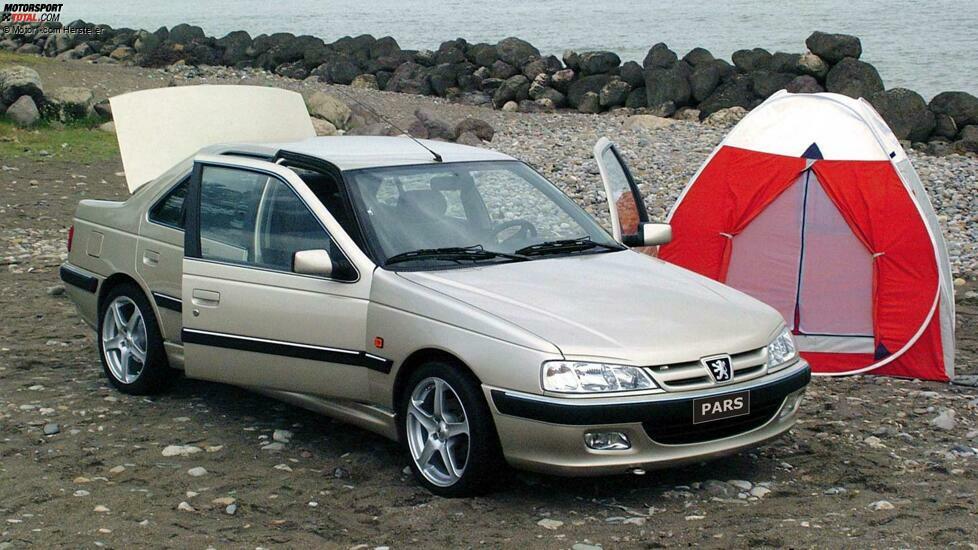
{"x": 791, "y": 404}
{"x": 607, "y": 441}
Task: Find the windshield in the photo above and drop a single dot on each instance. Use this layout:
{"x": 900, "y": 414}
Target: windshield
{"x": 456, "y": 214}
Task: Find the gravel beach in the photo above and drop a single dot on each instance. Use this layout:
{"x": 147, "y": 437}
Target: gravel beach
{"x": 873, "y": 462}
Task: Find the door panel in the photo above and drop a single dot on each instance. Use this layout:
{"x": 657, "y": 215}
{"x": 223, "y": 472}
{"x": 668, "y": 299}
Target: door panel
{"x": 248, "y": 320}
{"x": 625, "y": 202}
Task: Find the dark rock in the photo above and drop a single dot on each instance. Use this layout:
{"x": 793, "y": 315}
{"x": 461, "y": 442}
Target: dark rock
{"x": 296, "y": 70}
{"x": 736, "y": 92}
{"x": 834, "y": 47}
{"x": 660, "y": 57}
{"x": 590, "y": 102}
{"x": 104, "y": 109}
{"x": 373, "y": 129}
{"x": 536, "y": 106}
{"x": 663, "y": 110}
{"x": 427, "y": 58}
{"x": 387, "y": 63}
{"x": 450, "y": 55}
{"x": 490, "y": 85}
{"x": 437, "y": 128}
{"x": 146, "y": 43}
{"x": 516, "y": 52}
{"x": 235, "y": 45}
{"x": 853, "y": 78}
{"x": 751, "y": 60}
{"x": 482, "y": 54}
{"x": 442, "y": 77}
{"x": 572, "y": 60}
{"x": 944, "y": 126}
{"x": 698, "y": 56}
{"x": 960, "y": 106}
{"x": 614, "y": 93}
{"x": 17, "y": 81}
{"x": 384, "y": 47}
{"x": 562, "y": 80}
{"x": 813, "y": 65}
{"x": 515, "y": 88}
{"x": 704, "y": 80}
{"x": 545, "y": 65}
{"x": 581, "y": 86}
{"x": 340, "y": 69}
{"x": 185, "y": 34}
{"x": 598, "y": 62}
{"x": 410, "y": 78}
{"x": 502, "y": 70}
{"x": 470, "y": 139}
{"x": 782, "y": 62}
{"x": 804, "y": 84}
{"x": 29, "y": 49}
{"x": 480, "y": 128}
{"x": 469, "y": 83}
{"x": 637, "y": 99}
{"x": 632, "y": 73}
{"x": 475, "y": 98}
{"x": 23, "y": 112}
{"x": 662, "y": 85}
{"x": 967, "y": 143}
{"x": 383, "y": 78}
{"x": 905, "y": 112}
{"x": 766, "y": 82}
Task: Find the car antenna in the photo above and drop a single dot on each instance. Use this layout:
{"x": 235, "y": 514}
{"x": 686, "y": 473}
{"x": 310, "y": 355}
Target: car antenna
{"x": 374, "y": 112}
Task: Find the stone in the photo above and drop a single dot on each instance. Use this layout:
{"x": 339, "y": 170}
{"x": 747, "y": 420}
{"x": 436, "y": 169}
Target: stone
{"x": 589, "y": 103}
{"x": 961, "y": 107}
{"x": 324, "y": 127}
{"x": 516, "y": 52}
{"x": 51, "y": 429}
{"x": 726, "y": 117}
{"x": 572, "y": 60}
{"x": 180, "y": 450}
{"x": 688, "y": 114}
{"x": 698, "y": 56}
{"x": 905, "y": 112}
{"x": 184, "y": 506}
{"x": 514, "y": 88}
{"x": 662, "y": 85}
{"x": 103, "y": 109}
{"x": 766, "y": 83}
{"x": 435, "y": 126}
{"x": 600, "y": 62}
{"x": 637, "y": 99}
{"x": 511, "y": 107}
{"x": 562, "y": 80}
{"x": 115, "y": 470}
{"x": 804, "y": 84}
{"x": 223, "y": 501}
{"x": 185, "y": 34}
{"x": 720, "y": 489}
{"x": 373, "y": 129}
{"x": 470, "y": 139}
{"x": 327, "y": 107}
{"x": 741, "y": 484}
{"x": 273, "y": 447}
{"x": 967, "y": 143}
{"x": 614, "y": 93}
{"x": 760, "y": 491}
{"x": 659, "y": 57}
{"x": 881, "y": 505}
{"x": 551, "y": 524}
{"x": 283, "y": 436}
{"x": 69, "y": 103}
{"x": 501, "y": 69}
{"x": 782, "y": 62}
{"x": 632, "y": 73}
{"x": 944, "y": 126}
{"x": 538, "y": 91}
{"x": 23, "y": 112}
{"x": 480, "y": 128}
{"x": 854, "y": 78}
{"x": 56, "y": 290}
{"x": 197, "y": 471}
{"x": 122, "y": 53}
{"x": 833, "y": 48}
{"x": 646, "y": 122}
{"x": 812, "y": 65}
{"x": 410, "y": 78}
{"x": 100, "y": 509}
{"x": 107, "y": 127}
{"x": 17, "y": 81}
{"x": 545, "y": 65}
{"x": 482, "y": 54}
{"x": 703, "y": 81}
{"x": 944, "y": 420}
{"x": 751, "y": 60}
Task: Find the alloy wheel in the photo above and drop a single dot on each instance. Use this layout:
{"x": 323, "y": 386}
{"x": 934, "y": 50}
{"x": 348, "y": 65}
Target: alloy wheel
{"x": 124, "y": 340}
{"x": 438, "y": 432}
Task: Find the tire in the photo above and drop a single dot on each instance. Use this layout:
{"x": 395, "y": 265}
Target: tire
{"x": 122, "y": 340}
{"x": 480, "y": 448}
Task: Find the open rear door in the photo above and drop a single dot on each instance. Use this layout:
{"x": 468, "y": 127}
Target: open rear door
{"x": 624, "y": 200}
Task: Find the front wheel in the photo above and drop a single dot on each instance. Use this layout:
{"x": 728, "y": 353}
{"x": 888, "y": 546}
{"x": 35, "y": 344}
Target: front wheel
{"x": 448, "y": 431}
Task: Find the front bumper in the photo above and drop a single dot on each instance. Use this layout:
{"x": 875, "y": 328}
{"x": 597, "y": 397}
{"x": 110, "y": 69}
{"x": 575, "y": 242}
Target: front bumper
{"x": 547, "y": 434}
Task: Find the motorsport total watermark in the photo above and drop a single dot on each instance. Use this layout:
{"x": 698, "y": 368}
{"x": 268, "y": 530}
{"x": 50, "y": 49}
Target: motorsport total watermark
{"x": 32, "y": 19}
{"x": 31, "y": 13}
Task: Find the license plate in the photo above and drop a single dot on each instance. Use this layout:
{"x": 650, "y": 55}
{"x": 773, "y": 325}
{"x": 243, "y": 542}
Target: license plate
{"x": 729, "y": 405}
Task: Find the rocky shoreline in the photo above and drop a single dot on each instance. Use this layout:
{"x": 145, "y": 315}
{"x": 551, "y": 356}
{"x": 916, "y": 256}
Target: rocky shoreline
{"x": 512, "y": 75}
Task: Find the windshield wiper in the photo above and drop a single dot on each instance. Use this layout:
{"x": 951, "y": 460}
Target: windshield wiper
{"x": 453, "y": 253}
{"x": 566, "y": 245}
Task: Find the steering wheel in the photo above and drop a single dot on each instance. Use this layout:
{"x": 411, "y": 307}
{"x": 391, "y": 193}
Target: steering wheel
{"x": 526, "y": 230}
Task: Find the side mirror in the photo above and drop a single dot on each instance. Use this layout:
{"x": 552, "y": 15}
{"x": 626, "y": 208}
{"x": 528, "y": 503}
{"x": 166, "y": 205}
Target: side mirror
{"x": 649, "y": 234}
{"x": 312, "y": 262}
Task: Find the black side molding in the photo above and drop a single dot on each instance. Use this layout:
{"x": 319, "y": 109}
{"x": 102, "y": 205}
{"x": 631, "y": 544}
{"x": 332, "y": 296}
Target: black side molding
{"x": 168, "y": 302}
{"x": 288, "y": 349}
{"x": 78, "y": 279}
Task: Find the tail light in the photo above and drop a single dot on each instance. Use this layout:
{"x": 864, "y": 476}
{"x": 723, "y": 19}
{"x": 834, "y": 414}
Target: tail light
{"x": 71, "y": 236}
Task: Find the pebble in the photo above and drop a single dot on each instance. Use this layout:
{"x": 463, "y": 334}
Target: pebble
{"x": 223, "y": 501}
{"x": 283, "y": 467}
{"x": 582, "y": 546}
{"x": 56, "y": 290}
{"x": 282, "y": 436}
{"x": 741, "y": 484}
{"x": 184, "y": 506}
{"x": 81, "y": 493}
{"x": 180, "y": 450}
{"x": 760, "y": 492}
{"x": 51, "y": 428}
{"x": 874, "y": 442}
{"x": 117, "y": 470}
{"x": 944, "y": 420}
{"x": 197, "y": 471}
{"x": 880, "y": 505}
{"x": 231, "y": 509}
{"x": 551, "y": 524}
{"x": 101, "y": 509}
{"x": 277, "y": 446}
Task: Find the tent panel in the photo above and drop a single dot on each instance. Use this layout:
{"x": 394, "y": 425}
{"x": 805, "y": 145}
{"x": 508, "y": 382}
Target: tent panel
{"x": 838, "y": 344}
{"x": 764, "y": 256}
{"x": 836, "y": 287}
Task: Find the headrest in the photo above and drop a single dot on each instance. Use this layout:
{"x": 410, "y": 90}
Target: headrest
{"x": 424, "y": 204}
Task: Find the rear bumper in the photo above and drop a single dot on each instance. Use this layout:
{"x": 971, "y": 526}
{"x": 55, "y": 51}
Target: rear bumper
{"x": 547, "y": 435}
{"x": 82, "y": 286}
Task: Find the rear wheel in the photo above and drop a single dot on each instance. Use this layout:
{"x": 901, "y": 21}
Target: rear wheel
{"x": 130, "y": 344}
{"x": 448, "y": 431}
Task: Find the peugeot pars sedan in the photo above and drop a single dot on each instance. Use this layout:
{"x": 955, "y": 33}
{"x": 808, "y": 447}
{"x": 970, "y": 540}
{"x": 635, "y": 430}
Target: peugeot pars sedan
{"x": 447, "y": 297}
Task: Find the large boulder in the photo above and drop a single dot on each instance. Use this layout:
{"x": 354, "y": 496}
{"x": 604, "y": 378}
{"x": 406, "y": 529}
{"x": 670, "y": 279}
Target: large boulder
{"x": 69, "y": 103}
{"x": 562, "y": 80}
{"x": 24, "y": 112}
{"x": 17, "y": 81}
{"x": 765, "y": 83}
{"x": 632, "y": 73}
{"x": 540, "y": 91}
{"x": 442, "y": 77}
{"x": 853, "y": 78}
{"x": 410, "y": 78}
{"x": 967, "y": 140}
{"x": 599, "y": 63}
{"x": 782, "y": 62}
{"x": 339, "y": 69}
{"x": 698, "y": 56}
{"x": 804, "y": 84}
{"x": 583, "y": 85}
{"x": 647, "y": 122}
{"x": 502, "y": 70}
{"x": 834, "y": 47}
{"x": 726, "y": 117}
{"x": 545, "y": 65}
{"x": 738, "y": 91}
{"x": 482, "y": 54}
{"x": 589, "y": 103}
{"x": 572, "y": 60}
{"x": 516, "y": 52}
{"x": 666, "y": 85}
{"x": 480, "y": 128}
{"x": 660, "y": 57}
{"x": 905, "y": 112}
{"x": 614, "y": 93}
{"x": 384, "y": 47}
{"x": 185, "y": 34}
{"x": 813, "y": 65}
{"x": 751, "y": 60}
{"x": 435, "y": 126}
{"x": 146, "y": 43}
{"x": 704, "y": 80}
{"x": 365, "y": 82}
{"x": 961, "y": 107}
{"x": 515, "y": 88}
{"x": 637, "y": 99}
{"x": 944, "y": 126}
{"x": 324, "y": 106}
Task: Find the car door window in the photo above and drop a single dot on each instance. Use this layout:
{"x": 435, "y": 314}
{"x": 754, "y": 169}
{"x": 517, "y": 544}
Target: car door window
{"x": 169, "y": 211}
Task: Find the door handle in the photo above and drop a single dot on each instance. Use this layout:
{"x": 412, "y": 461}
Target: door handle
{"x": 205, "y": 298}
{"x": 151, "y": 257}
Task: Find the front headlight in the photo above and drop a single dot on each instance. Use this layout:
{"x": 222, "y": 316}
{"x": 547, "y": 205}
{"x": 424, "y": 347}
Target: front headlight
{"x": 781, "y": 351}
{"x": 578, "y": 377}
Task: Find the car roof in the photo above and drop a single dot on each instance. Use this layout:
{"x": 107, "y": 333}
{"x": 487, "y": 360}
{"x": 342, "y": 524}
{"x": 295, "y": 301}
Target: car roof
{"x": 355, "y": 152}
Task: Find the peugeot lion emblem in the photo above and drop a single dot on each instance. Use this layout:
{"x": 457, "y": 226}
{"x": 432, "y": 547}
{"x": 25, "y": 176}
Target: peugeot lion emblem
{"x": 720, "y": 367}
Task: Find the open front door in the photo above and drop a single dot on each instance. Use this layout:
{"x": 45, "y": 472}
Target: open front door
{"x": 624, "y": 200}
{"x": 255, "y": 313}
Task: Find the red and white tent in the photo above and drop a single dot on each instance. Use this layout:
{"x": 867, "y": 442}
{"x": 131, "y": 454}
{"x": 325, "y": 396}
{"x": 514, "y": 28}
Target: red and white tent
{"x": 811, "y": 205}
